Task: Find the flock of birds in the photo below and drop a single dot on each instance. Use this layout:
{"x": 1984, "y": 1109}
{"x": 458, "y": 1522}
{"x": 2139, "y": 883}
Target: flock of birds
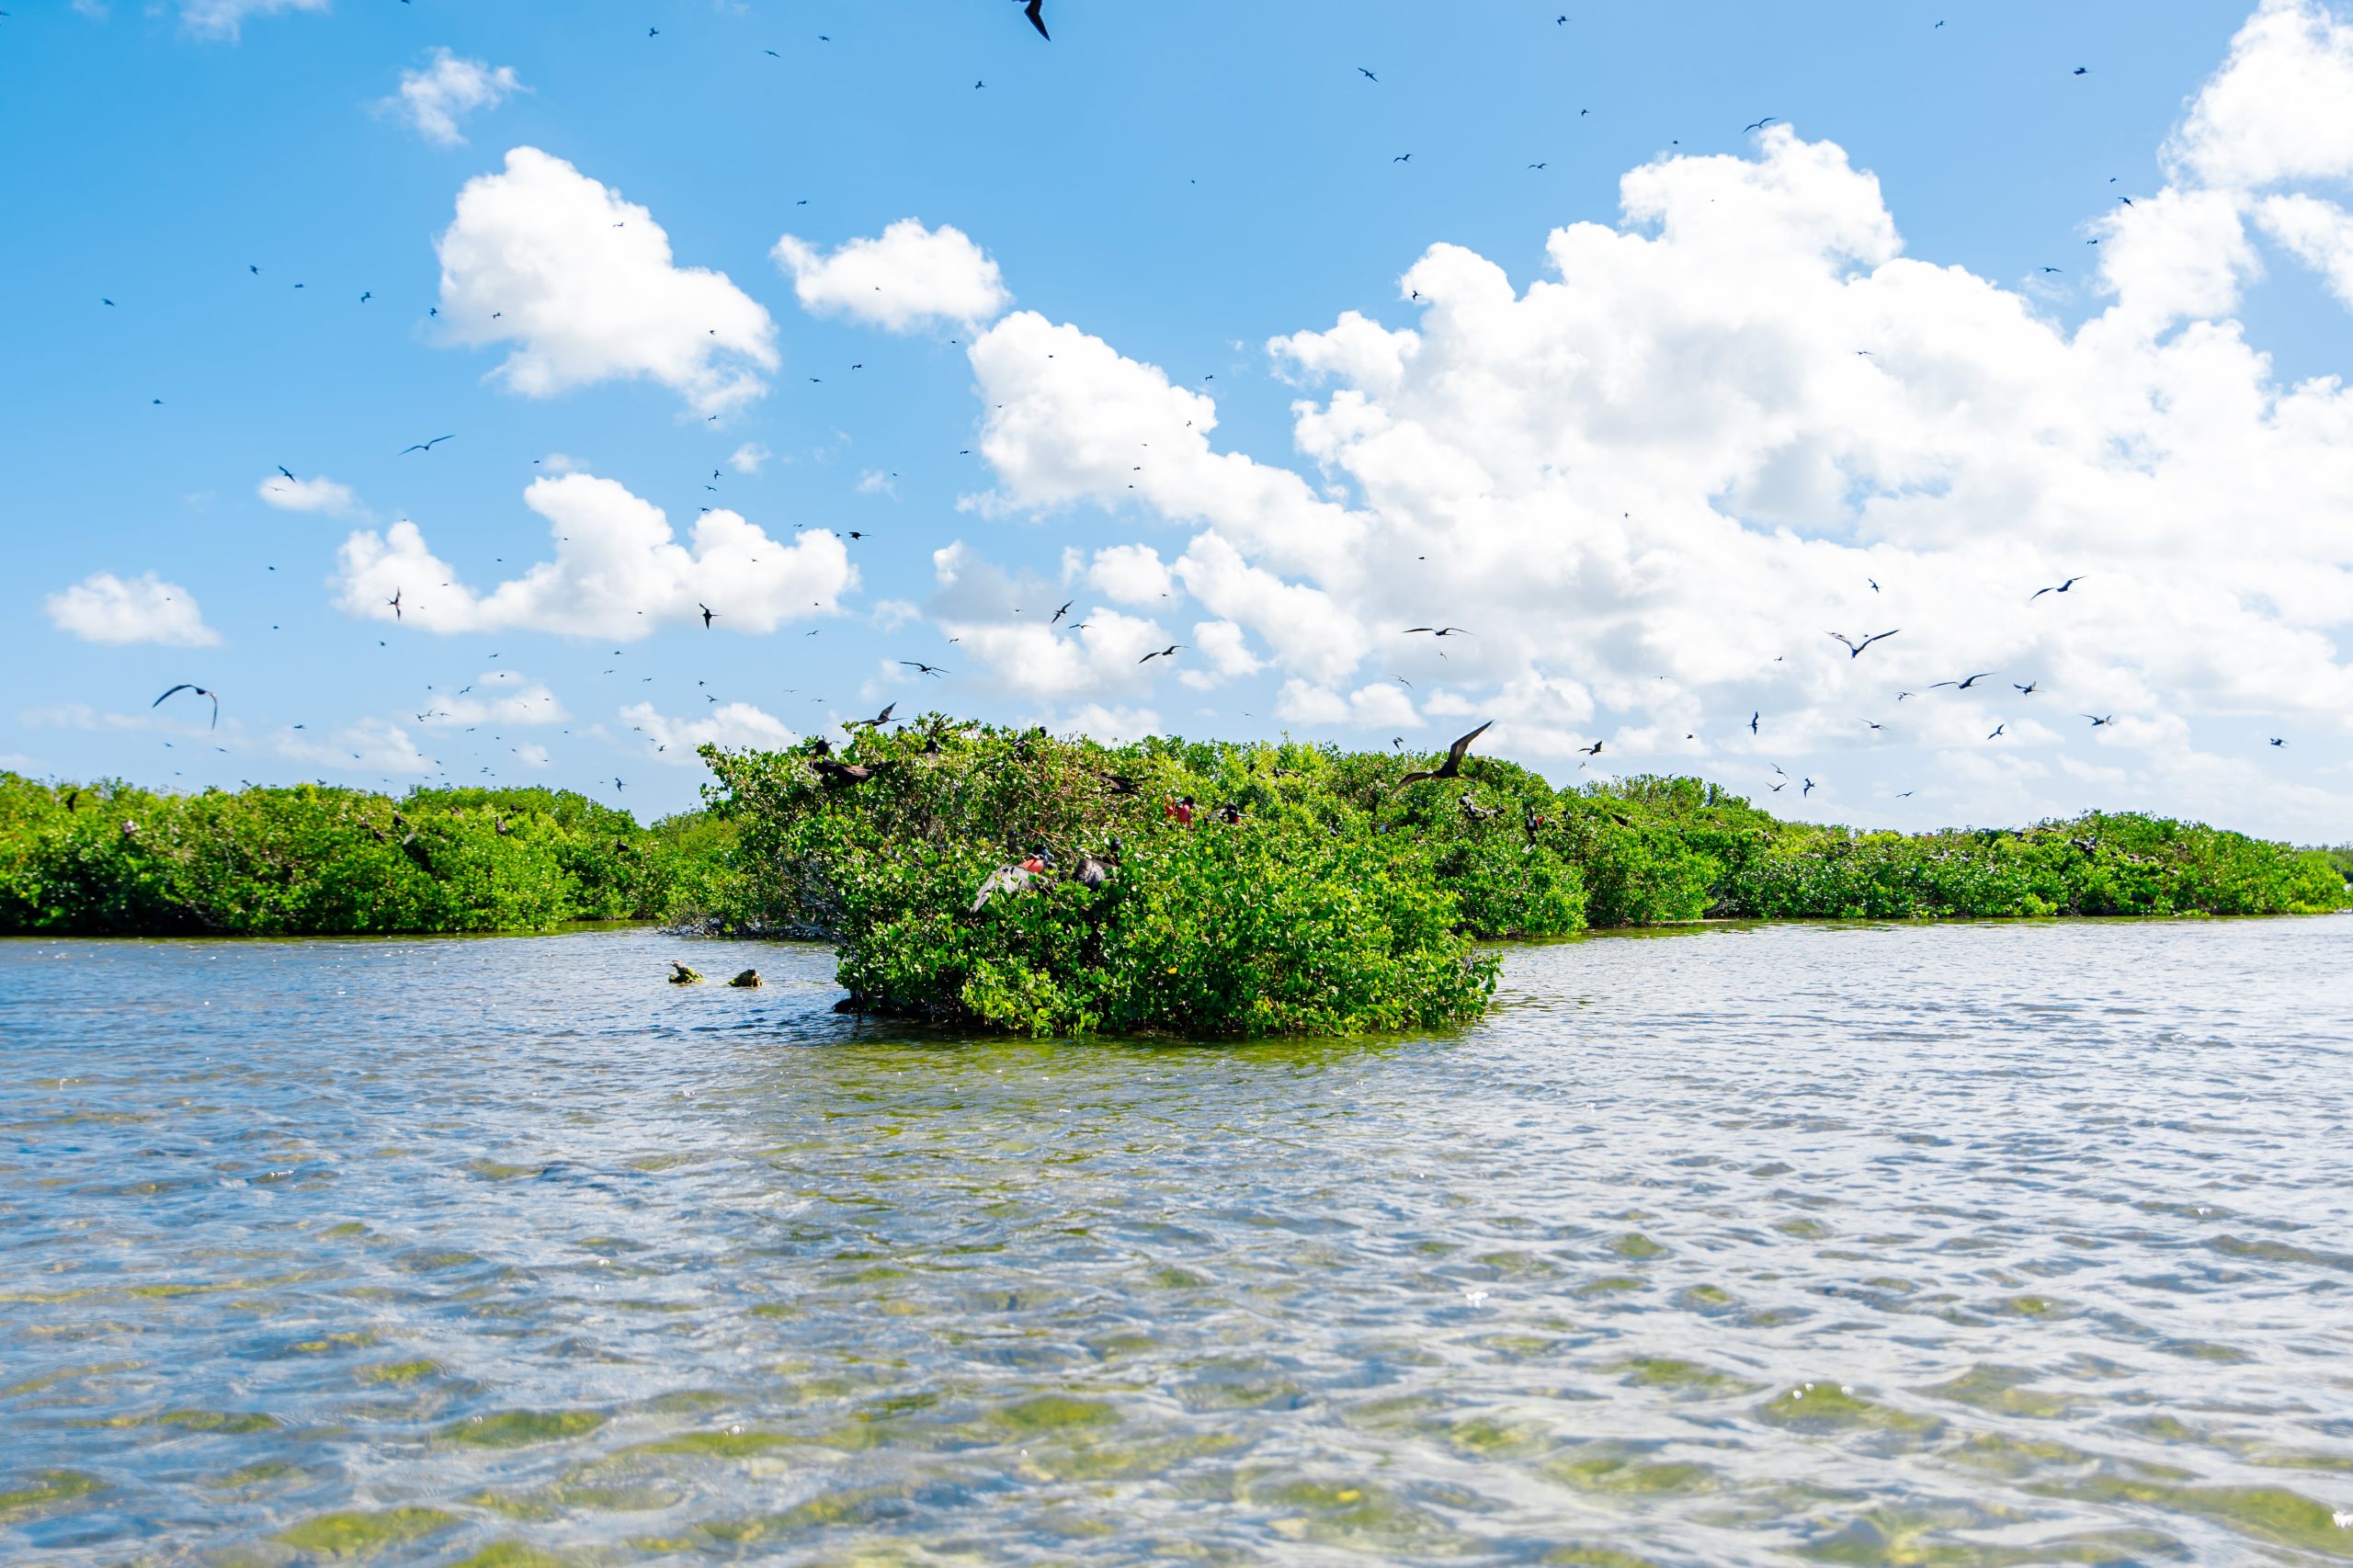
{"x": 1033, "y": 11}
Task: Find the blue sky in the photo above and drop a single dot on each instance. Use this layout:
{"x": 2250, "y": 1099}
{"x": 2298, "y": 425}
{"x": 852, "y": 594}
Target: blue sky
{"x": 1174, "y": 188}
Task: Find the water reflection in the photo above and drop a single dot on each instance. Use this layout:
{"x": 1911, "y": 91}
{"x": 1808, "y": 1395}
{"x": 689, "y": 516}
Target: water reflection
{"x": 1973, "y": 1244}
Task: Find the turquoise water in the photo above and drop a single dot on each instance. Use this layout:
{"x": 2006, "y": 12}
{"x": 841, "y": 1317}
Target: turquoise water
{"x": 1954, "y": 1245}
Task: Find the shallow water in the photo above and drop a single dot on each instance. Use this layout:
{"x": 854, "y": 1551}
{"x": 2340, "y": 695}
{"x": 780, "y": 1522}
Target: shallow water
{"x": 1963, "y": 1245}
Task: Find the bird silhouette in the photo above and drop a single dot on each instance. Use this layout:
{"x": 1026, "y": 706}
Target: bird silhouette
{"x": 1452, "y": 766}
{"x": 709, "y": 614}
{"x": 2098, "y": 721}
{"x": 922, "y": 668}
{"x": 1035, "y": 11}
{"x": 1167, "y": 653}
{"x": 1367, "y": 74}
{"x": 1855, "y": 649}
{"x": 423, "y": 445}
{"x": 2060, "y": 589}
{"x": 1961, "y": 685}
{"x": 201, "y": 691}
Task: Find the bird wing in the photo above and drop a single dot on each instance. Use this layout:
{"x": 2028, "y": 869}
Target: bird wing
{"x": 182, "y": 687}
{"x": 1842, "y": 637}
{"x": 1416, "y": 777}
{"x": 1454, "y": 753}
{"x": 1034, "y": 11}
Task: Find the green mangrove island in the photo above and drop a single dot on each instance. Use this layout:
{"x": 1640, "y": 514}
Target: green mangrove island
{"x": 1014, "y": 879}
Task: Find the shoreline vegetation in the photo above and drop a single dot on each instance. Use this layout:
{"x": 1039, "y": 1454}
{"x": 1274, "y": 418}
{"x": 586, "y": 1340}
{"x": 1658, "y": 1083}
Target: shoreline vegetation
{"x": 1011, "y": 879}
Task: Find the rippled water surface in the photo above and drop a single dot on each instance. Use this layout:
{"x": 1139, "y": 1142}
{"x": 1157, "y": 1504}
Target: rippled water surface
{"x": 1970, "y": 1245}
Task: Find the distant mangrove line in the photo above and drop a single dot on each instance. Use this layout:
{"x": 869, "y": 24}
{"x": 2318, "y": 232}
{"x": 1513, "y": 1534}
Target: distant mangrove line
{"x": 1013, "y": 880}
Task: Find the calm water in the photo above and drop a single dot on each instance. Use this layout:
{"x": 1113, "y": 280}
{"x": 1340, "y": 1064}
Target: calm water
{"x": 1977, "y": 1245}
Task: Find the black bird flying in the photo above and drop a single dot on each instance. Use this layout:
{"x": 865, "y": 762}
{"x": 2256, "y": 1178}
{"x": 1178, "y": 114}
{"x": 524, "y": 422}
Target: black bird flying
{"x": 1452, "y": 766}
{"x": 190, "y": 686}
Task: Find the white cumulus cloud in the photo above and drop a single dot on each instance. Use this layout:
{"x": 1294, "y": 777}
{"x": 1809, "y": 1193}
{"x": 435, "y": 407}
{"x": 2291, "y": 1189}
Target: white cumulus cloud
{"x": 748, "y": 457}
{"x": 618, "y": 571}
{"x": 909, "y": 277}
{"x": 1005, "y": 621}
{"x": 494, "y": 696}
{"x": 735, "y": 725}
{"x": 583, "y": 285}
{"x": 317, "y": 493}
{"x": 436, "y": 97}
{"x": 1650, "y": 480}
{"x": 224, "y": 18}
{"x": 102, "y": 607}
{"x": 371, "y": 746}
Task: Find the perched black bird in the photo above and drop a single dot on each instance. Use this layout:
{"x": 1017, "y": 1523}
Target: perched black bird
{"x": 1452, "y": 766}
{"x": 844, "y": 774}
{"x": 1094, "y": 871}
{"x": 189, "y": 685}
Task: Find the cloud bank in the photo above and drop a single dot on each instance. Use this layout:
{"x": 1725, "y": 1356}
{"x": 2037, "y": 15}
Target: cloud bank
{"x": 617, "y": 572}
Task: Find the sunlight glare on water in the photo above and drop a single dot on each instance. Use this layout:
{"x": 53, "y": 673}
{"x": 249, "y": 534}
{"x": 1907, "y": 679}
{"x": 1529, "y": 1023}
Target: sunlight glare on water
{"x": 1962, "y": 1244}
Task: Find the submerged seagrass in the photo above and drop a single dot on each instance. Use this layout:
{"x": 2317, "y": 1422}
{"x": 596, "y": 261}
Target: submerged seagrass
{"x": 1305, "y": 889}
